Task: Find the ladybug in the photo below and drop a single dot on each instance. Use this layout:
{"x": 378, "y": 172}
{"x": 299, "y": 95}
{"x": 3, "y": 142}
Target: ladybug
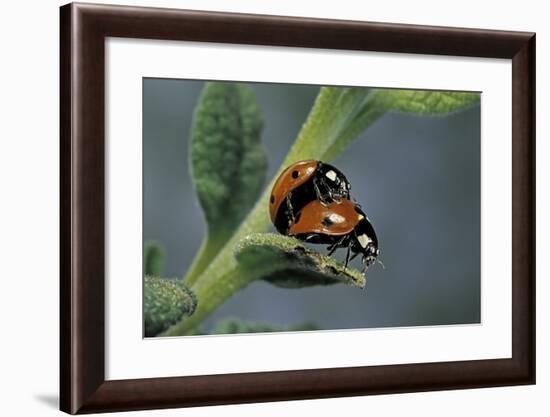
{"x": 302, "y": 183}
{"x": 340, "y": 225}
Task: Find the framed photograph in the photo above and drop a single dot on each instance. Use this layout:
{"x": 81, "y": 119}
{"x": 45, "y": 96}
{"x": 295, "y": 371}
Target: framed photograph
{"x": 263, "y": 208}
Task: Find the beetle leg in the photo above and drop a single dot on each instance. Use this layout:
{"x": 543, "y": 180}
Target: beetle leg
{"x": 347, "y": 256}
{"x": 366, "y": 264}
{"x": 317, "y": 191}
{"x": 336, "y": 245}
{"x": 289, "y": 207}
{"x": 320, "y": 197}
{"x": 332, "y": 248}
{"x": 333, "y": 197}
{"x": 336, "y": 197}
{"x": 364, "y": 270}
{"x": 353, "y": 256}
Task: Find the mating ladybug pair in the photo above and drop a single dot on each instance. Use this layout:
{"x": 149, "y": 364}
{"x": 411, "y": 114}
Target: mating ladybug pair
{"x": 311, "y": 202}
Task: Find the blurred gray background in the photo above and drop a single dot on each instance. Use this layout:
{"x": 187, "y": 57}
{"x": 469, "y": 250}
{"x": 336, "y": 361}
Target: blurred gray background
{"x": 418, "y": 179}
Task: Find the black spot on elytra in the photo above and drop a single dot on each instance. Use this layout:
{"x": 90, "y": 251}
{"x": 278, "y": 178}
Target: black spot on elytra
{"x": 272, "y": 199}
{"x": 295, "y": 174}
{"x": 327, "y": 222}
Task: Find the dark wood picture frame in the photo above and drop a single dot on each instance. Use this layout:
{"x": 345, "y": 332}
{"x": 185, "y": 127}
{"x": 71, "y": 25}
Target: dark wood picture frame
{"x": 84, "y": 29}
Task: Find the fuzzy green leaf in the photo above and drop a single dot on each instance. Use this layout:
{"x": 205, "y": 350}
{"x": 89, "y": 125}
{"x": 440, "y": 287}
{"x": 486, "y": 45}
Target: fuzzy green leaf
{"x": 234, "y": 326}
{"x": 165, "y": 302}
{"x": 228, "y": 162}
{"x": 422, "y": 101}
{"x": 153, "y": 259}
{"x": 227, "y": 158}
{"x": 379, "y": 101}
{"x": 285, "y": 262}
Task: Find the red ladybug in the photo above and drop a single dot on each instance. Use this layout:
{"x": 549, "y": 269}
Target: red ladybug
{"x": 302, "y": 183}
{"x": 341, "y": 225}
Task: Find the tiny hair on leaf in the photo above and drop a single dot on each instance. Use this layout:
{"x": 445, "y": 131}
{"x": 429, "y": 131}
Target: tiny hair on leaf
{"x": 165, "y": 301}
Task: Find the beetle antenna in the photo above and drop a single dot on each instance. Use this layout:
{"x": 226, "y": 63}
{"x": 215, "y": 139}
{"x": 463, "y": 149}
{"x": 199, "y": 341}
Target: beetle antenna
{"x": 381, "y": 263}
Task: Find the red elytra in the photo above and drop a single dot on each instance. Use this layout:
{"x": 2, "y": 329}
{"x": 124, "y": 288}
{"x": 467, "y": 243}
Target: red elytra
{"x": 290, "y": 179}
{"x": 335, "y": 219}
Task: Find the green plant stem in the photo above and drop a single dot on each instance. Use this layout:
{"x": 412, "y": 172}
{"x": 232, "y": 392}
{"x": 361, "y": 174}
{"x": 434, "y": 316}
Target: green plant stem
{"x": 208, "y": 250}
{"x": 223, "y": 277}
{"x": 211, "y": 297}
